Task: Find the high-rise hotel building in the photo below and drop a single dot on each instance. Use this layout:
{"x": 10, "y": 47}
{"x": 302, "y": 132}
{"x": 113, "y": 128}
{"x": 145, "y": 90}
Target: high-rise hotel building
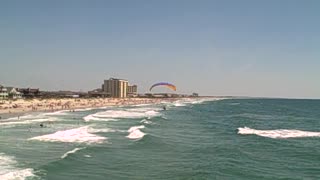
{"x": 116, "y": 88}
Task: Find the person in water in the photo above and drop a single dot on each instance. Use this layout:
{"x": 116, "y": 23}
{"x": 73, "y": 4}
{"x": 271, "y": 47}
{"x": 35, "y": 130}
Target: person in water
{"x": 41, "y": 125}
{"x": 164, "y": 108}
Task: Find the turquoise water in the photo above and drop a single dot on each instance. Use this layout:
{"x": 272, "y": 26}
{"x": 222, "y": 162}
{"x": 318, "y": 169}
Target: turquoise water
{"x": 192, "y": 139}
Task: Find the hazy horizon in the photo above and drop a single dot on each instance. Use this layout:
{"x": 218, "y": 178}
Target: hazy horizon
{"x": 237, "y": 48}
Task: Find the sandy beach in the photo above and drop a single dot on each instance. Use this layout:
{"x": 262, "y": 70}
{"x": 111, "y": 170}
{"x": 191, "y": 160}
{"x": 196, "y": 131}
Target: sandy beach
{"x": 50, "y": 105}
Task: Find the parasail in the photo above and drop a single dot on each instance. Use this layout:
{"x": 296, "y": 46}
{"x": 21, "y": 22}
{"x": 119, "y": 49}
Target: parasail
{"x": 171, "y": 86}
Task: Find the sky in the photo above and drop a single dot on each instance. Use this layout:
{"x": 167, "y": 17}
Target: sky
{"x": 266, "y": 48}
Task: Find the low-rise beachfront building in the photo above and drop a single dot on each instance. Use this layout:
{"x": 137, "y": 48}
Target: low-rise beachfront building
{"x": 29, "y": 92}
{"x": 98, "y": 93}
{"x": 62, "y": 94}
{"x": 158, "y": 95}
{"x": 3, "y": 93}
{"x": 133, "y": 91}
{"x": 14, "y": 93}
{"x": 115, "y": 88}
{"x": 195, "y": 95}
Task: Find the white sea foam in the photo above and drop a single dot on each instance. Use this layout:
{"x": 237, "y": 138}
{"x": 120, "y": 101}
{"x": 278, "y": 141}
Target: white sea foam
{"x": 87, "y": 156}
{"x": 179, "y": 104}
{"x": 105, "y": 130}
{"x": 78, "y": 135}
{"x": 211, "y": 99}
{"x": 185, "y": 102}
{"x": 125, "y": 114}
{"x": 104, "y": 107}
{"x": 9, "y": 171}
{"x": 92, "y": 117}
{"x": 278, "y": 133}
{"x": 135, "y": 133}
{"x": 30, "y": 116}
{"x": 71, "y": 152}
{"x": 234, "y": 104}
{"x": 197, "y": 102}
{"x": 140, "y": 105}
{"x": 57, "y": 113}
{"x": 14, "y": 123}
{"x": 84, "y": 109}
{"x": 19, "y": 122}
{"x": 144, "y": 121}
{"x": 146, "y": 109}
{"x": 135, "y": 128}
{"x": 17, "y": 174}
{"x": 113, "y": 115}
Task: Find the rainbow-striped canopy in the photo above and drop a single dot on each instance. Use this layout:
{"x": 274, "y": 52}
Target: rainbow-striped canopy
{"x": 171, "y": 86}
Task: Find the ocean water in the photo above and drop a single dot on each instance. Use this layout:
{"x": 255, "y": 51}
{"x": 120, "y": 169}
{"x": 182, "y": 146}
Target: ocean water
{"x": 192, "y": 139}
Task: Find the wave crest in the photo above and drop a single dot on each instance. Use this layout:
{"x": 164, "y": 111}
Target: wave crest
{"x": 111, "y": 115}
{"x": 278, "y": 133}
{"x": 71, "y": 152}
{"x": 135, "y": 133}
{"x": 91, "y": 117}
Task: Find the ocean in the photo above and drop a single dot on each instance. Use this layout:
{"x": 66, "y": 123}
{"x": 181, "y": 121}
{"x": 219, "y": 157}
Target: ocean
{"x": 192, "y": 139}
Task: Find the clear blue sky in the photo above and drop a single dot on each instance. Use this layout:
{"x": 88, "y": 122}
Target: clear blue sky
{"x": 253, "y": 48}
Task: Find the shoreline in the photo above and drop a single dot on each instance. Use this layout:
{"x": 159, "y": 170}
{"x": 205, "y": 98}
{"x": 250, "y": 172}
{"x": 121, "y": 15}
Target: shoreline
{"x": 22, "y": 106}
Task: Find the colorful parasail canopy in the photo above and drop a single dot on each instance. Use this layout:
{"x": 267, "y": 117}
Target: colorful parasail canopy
{"x": 171, "y": 86}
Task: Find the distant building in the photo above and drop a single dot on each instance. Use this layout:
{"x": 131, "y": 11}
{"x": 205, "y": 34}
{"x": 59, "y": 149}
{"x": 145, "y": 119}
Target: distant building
{"x": 9, "y": 93}
{"x": 14, "y": 93}
{"x": 133, "y": 91}
{"x": 62, "y": 94}
{"x": 29, "y": 92}
{"x": 98, "y": 93}
{"x": 116, "y": 88}
{"x": 3, "y": 93}
{"x": 195, "y": 94}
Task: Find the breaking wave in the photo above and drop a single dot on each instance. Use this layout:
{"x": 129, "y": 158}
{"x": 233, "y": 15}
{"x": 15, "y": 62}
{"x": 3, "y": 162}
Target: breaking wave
{"x": 178, "y": 104}
{"x": 279, "y": 133}
{"x": 234, "y": 104}
{"x": 78, "y": 135}
{"x": 135, "y": 133}
{"x": 71, "y": 152}
{"x": 84, "y": 109}
{"x": 19, "y": 122}
{"x": 57, "y": 113}
{"x": 9, "y": 171}
{"x": 146, "y": 109}
{"x": 185, "y": 102}
{"x": 30, "y": 116}
{"x": 140, "y": 105}
{"x": 144, "y": 121}
{"x": 92, "y": 117}
{"x": 122, "y": 114}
